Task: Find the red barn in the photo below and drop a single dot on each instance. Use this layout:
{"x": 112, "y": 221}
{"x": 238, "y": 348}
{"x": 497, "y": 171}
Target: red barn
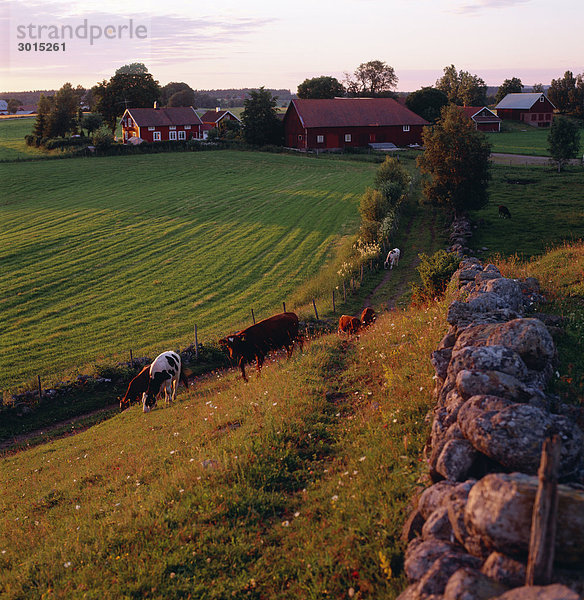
{"x": 483, "y": 118}
{"x": 341, "y": 123}
{"x": 216, "y": 119}
{"x": 533, "y": 109}
{"x": 161, "y": 124}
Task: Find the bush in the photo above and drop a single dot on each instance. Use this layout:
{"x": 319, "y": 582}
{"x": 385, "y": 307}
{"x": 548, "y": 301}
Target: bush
{"x": 373, "y": 205}
{"x": 391, "y": 170}
{"x": 435, "y": 272}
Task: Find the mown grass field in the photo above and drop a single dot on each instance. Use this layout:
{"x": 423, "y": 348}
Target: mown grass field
{"x": 103, "y": 256}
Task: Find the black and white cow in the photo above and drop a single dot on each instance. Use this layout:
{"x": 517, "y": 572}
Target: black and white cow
{"x": 392, "y": 258}
{"x": 165, "y": 373}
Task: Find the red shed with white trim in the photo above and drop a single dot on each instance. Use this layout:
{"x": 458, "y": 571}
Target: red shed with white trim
{"x": 483, "y": 118}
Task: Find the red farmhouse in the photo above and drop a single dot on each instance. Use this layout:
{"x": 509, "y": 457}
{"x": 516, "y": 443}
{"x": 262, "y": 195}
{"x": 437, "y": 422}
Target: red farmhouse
{"x": 533, "y": 109}
{"x": 350, "y": 123}
{"x": 161, "y": 124}
{"x": 483, "y": 118}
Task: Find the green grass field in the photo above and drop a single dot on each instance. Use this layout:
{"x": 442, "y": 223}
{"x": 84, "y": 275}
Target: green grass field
{"x": 546, "y": 208}
{"x": 12, "y": 145}
{"x": 105, "y": 255}
{"x": 518, "y": 138}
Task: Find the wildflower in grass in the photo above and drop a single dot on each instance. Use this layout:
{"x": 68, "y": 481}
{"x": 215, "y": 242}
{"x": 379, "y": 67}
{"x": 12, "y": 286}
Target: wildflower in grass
{"x": 67, "y": 564}
{"x": 285, "y": 523}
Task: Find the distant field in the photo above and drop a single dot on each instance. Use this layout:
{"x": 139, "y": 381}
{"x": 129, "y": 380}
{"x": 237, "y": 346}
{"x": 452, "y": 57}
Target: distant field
{"x": 517, "y": 138}
{"x": 12, "y": 132}
{"x": 546, "y": 208}
{"x": 105, "y": 255}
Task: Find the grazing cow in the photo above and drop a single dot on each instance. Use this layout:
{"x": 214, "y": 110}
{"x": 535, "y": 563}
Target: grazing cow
{"x": 367, "y": 317}
{"x": 165, "y": 371}
{"x": 504, "y": 212}
{"x": 392, "y": 258}
{"x": 137, "y": 387}
{"x": 254, "y": 343}
{"x": 348, "y": 324}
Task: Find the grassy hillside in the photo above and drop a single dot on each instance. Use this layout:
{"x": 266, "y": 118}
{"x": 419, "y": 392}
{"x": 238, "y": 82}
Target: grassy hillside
{"x": 292, "y": 486}
{"x": 106, "y": 255}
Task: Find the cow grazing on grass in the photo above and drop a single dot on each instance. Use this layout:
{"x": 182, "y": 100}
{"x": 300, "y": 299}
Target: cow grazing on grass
{"x": 165, "y": 372}
{"x": 348, "y": 324}
{"x": 367, "y": 317}
{"x": 254, "y": 343}
{"x": 392, "y": 258}
{"x": 136, "y": 388}
{"x": 504, "y": 212}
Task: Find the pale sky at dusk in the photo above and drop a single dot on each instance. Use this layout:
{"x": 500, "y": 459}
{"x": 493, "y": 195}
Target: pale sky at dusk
{"x": 279, "y": 44}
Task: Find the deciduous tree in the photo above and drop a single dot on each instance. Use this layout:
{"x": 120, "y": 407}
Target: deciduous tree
{"x": 509, "y": 86}
{"x": 563, "y": 141}
{"x": 462, "y": 88}
{"x": 131, "y": 87}
{"x": 261, "y": 125}
{"x": 427, "y": 102}
{"x": 372, "y": 79}
{"x": 182, "y": 98}
{"x": 321, "y": 87}
{"x": 456, "y": 157}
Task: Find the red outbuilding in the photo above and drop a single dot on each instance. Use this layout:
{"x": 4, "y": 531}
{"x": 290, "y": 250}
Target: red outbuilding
{"x": 339, "y": 123}
{"x": 533, "y": 109}
{"x": 161, "y": 124}
{"x": 483, "y": 118}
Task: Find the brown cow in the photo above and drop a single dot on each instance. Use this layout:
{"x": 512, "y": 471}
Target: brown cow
{"x": 254, "y": 343}
{"x": 349, "y": 324}
{"x": 137, "y": 387}
{"x": 367, "y": 316}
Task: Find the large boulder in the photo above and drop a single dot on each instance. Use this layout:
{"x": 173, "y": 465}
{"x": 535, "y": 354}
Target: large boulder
{"x": 499, "y": 509}
{"x": 514, "y": 435}
{"x": 470, "y": 584}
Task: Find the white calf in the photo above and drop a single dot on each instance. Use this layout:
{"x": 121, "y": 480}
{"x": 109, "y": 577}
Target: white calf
{"x": 165, "y": 372}
{"x": 392, "y": 258}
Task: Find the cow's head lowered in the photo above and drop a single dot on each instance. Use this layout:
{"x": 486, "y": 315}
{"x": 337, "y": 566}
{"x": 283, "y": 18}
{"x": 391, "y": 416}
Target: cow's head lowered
{"x": 234, "y": 344}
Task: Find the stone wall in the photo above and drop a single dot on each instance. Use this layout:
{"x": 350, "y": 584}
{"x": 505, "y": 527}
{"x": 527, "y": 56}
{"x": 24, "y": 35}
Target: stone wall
{"x": 468, "y": 533}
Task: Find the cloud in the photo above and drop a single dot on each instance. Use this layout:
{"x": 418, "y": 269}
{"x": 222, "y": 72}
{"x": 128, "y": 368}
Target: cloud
{"x": 482, "y": 5}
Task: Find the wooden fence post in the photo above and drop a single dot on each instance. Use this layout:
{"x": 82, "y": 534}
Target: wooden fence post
{"x": 252, "y": 316}
{"x": 40, "y": 388}
{"x": 284, "y": 306}
{"x": 314, "y": 306}
{"x": 544, "y": 517}
{"x": 196, "y": 343}
{"x": 334, "y": 310}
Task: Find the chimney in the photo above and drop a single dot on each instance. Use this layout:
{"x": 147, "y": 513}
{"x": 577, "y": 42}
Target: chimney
{"x": 217, "y": 108}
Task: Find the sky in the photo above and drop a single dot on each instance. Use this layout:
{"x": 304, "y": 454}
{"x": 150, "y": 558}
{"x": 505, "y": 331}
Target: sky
{"x": 278, "y": 44}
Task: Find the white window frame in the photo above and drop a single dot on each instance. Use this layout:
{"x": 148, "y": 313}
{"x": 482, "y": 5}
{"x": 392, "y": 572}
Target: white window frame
{"x": 156, "y": 137}
{"x": 348, "y": 137}
{"x": 187, "y": 126}
{"x": 172, "y": 126}
{"x": 151, "y": 128}
{"x": 406, "y": 128}
{"x": 172, "y": 135}
{"x": 320, "y": 139}
{"x": 299, "y": 137}
{"x": 541, "y": 99}
{"x": 182, "y": 135}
